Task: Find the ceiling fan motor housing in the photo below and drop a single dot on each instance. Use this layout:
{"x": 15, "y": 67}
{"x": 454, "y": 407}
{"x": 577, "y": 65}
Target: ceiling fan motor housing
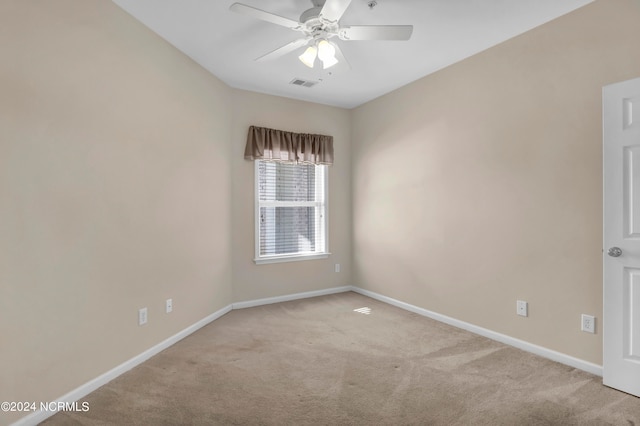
{"x": 310, "y": 14}
{"x": 316, "y": 27}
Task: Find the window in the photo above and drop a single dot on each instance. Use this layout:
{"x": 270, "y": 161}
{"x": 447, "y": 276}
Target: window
{"x": 290, "y": 193}
{"x": 291, "y": 218}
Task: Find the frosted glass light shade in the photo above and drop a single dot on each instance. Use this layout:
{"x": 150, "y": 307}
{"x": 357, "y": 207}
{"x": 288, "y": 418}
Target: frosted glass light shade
{"x": 309, "y": 56}
{"x": 327, "y": 54}
{"x": 329, "y": 62}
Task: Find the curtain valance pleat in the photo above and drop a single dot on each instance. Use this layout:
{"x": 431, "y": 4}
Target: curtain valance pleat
{"x": 278, "y": 145}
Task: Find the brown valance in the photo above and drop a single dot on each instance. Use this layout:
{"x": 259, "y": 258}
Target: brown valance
{"x": 278, "y": 145}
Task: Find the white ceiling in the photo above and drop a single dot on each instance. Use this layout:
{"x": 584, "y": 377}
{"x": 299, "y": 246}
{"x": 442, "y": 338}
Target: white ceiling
{"x": 445, "y": 32}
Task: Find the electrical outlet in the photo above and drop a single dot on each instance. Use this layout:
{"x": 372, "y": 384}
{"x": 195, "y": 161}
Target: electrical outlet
{"x": 522, "y": 308}
{"x": 142, "y": 316}
{"x": 588, "y": 323}
{"x": 168, "y": 306}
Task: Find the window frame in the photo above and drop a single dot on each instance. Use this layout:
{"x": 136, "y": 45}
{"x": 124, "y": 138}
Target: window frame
{"x": 290, "y": 257}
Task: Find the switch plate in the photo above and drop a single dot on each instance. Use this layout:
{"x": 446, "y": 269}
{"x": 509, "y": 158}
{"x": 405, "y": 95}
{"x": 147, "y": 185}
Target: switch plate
{"x": 142, "y": 316}
{"x": 588, "y": 323}
{"x": 337, "y": 267}
{"x": 168, "y": 306}
{"x": 522, "y": 308}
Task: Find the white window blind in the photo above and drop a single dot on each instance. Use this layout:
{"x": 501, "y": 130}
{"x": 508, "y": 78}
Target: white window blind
{"x": 290, "y": 210}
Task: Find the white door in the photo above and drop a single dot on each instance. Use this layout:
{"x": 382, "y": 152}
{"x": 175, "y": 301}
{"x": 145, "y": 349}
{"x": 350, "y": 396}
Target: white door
{"x": 621, "y": 322}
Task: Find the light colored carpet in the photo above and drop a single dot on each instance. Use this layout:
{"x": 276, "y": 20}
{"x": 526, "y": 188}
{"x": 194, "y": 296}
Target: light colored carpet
{"x": 316, "y": 362}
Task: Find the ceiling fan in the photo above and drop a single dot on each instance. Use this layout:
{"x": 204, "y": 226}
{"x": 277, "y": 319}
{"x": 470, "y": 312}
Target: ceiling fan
{"x": 320, "y": 24}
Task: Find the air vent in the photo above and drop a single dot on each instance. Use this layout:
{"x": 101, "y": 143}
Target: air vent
{"x": 303, "y": 83}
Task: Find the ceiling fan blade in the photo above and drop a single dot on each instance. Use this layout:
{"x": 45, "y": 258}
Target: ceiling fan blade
{"x": 333, "y": 10}
{"x": 376, "y": 32}
{"x": 265, "y": 16}
{"x": 281, "y": 51}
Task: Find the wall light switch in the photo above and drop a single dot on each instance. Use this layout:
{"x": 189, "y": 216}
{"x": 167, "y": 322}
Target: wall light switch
{"x": 337, "y": 267}
{"x": 168, "y": 306}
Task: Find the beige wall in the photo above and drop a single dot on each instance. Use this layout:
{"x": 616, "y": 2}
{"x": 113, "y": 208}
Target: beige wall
{"x": 118, "y": 158}
{"x": 122, "y": 184}
{"x": 251, "y": 281}
{"x": 481, "y": 184}
{"x": 114, "y": 193}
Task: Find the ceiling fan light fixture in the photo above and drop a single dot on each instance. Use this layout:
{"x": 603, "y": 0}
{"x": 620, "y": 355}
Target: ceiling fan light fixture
{"x": 327, "y": 54}
{"x": 329, "y": 62}
{"x": 309, "y": 56}
{"x": 325, "y": 49}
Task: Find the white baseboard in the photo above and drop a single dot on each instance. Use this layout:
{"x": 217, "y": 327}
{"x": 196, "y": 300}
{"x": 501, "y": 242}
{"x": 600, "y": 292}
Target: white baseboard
{"x": 85, "y": 389}
{"x": 289, "y": 297}
{"x": 508, "y": 340}
{"x": 82, "y": 391}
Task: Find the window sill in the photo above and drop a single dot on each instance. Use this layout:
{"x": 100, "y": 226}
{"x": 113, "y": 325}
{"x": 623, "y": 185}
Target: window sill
{"x": 290, "y": 258}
